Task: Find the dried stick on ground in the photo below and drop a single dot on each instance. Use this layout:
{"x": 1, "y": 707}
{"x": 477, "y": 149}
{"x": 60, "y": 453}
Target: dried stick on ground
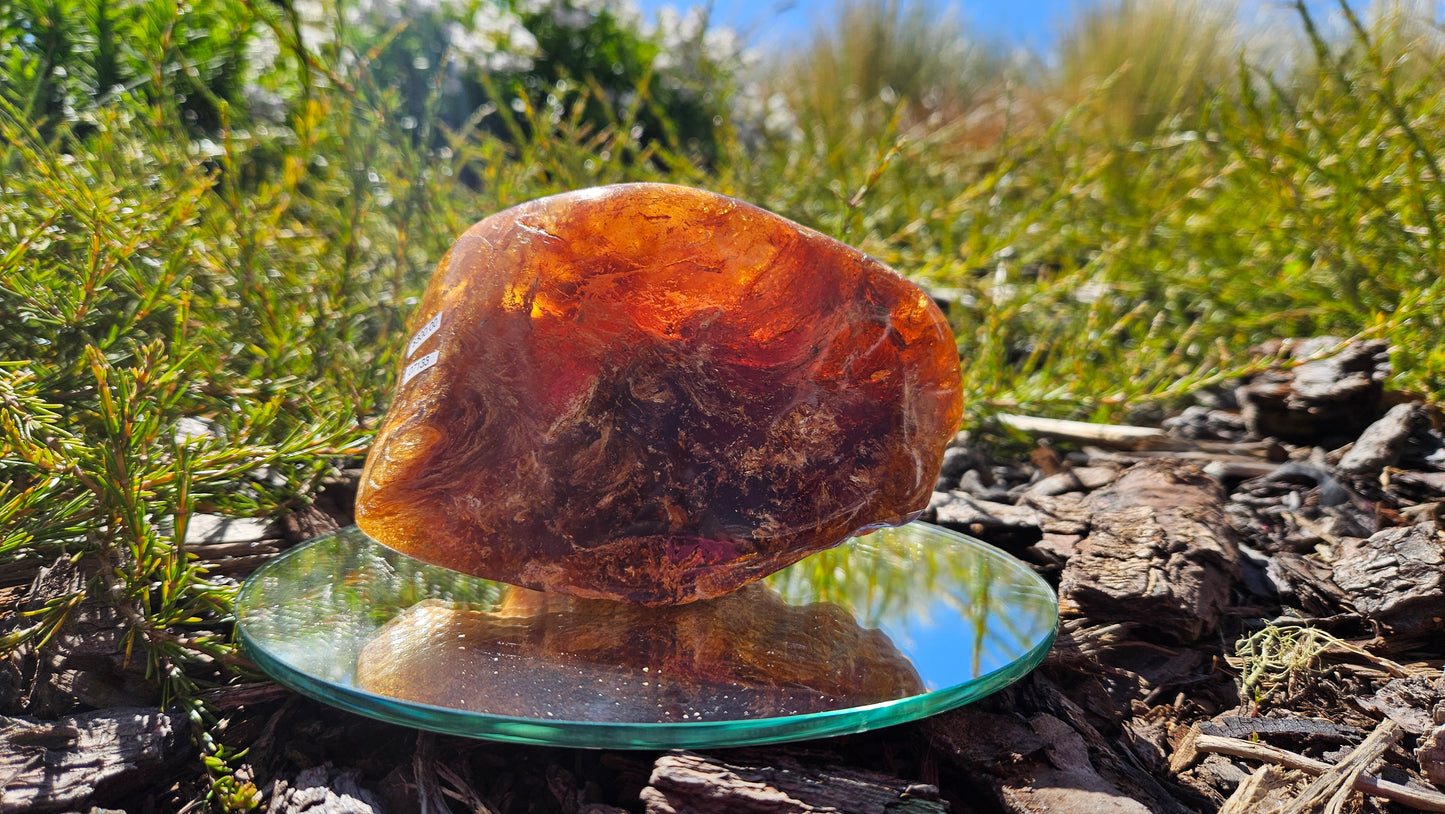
{"x": 1423, "y": 799}
{"x": 1250, "y": 794}
{"x": 1335, "y": 785}
{"x": 1121, "y": 436}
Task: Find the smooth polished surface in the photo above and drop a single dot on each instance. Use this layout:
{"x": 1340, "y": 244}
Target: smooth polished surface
{"x": 893, "y": 626}
{"x": 657, "y": 394}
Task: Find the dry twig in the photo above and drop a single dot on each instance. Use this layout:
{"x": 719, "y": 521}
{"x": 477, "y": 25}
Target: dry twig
{"x": 1335, "y": 786}
{"x": 1196, "y": 744}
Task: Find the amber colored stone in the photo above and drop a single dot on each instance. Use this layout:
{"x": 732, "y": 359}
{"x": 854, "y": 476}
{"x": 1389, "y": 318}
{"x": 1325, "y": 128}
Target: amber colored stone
{"x": 745, "y": 655}
{"x": 657, "y": 394}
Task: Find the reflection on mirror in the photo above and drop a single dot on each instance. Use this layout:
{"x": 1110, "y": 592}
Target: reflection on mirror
{"x": 744, "y": 655}
{"x": 889, "y": 627}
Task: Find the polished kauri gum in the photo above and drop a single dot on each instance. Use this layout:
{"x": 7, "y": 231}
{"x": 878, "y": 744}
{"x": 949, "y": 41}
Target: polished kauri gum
{"x": 657, "y": 394}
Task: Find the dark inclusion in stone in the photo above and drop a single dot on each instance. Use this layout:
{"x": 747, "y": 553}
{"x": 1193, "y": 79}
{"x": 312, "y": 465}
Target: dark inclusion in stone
{"x": 746, "y": 655}
{"x": 657, "y": 394}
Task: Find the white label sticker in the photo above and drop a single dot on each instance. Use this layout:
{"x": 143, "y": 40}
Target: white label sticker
{"x": 424, "y": 334}
{"x": 415, "y": 368}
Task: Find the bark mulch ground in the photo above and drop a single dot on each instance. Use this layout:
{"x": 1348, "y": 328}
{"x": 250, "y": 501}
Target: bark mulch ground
{"x": 1253, "y": 620}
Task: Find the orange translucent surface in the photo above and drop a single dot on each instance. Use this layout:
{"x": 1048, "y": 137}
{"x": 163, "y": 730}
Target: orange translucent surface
{"x": 657, "y": 394}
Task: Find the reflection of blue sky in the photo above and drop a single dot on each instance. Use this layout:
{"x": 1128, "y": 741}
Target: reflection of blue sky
{"x": 947, "y": 648}
{"x": 957, "y": 609}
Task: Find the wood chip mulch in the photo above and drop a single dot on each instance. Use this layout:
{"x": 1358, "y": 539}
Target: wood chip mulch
{"x": 1253, "y": 620}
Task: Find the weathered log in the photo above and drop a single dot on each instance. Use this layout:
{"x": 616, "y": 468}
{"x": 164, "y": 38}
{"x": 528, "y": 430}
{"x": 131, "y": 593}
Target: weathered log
{"x": 323, "y": 790}
{"x": 96, "y": 758}
{"x": 1397, "y": 578}
{"x": 683, "y": 783}
{"x": 1159, "y": 551}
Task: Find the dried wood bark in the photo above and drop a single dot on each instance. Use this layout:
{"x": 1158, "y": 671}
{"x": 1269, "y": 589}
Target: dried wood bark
{"x": 1074, "y": 479}
{"x": 686, "y": 783}
{"x": 1159, "y": 551}
{"x": 1409, "y": 702}
{"x": 1333, "y": 787}
{"x": 1201, "y": 423}
{"x": 1334, "y": 396}
{"x": 961, "y": 511}
{"x": 85, "y": 760}
{"x": 1262, "y": 791}
{"x": 1066, "y": 781}
{"x": 1383, "y": 442}
{"x": 1431, "y": 754}
{"x": 1397, "y": 578}
{"x": 1426, "y": 488}
{"x": 217, "y": 529}
{"x": 323, "y": 790}
{"x": 333, "y": 507}
{"x": 1043, "y": 755}
{"x": 1297, "y": 507}
{"x": 82, "y": 666}
{"x": 1294, "y": 729}
{"x": 1196, "y": 744}
{"x": 1305, "y": 583}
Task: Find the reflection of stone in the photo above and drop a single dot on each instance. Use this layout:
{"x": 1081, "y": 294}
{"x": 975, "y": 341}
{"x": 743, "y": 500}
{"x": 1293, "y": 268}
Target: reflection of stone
{"x": 545, "y": 656}
{"x": 657, "y": 394}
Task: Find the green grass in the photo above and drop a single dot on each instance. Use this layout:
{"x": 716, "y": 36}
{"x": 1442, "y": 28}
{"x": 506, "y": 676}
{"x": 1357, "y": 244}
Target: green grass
{"x": 1112, "y": 243}
{"x": 1149, "y": 66}
{"x": 878, "y": 56}
{"x": 1117, "y": 245}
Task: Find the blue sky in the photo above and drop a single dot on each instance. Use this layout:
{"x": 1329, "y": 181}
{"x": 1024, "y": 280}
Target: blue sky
{"x": 1029, "y": 22}
{"x": 1032, "y": 23}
